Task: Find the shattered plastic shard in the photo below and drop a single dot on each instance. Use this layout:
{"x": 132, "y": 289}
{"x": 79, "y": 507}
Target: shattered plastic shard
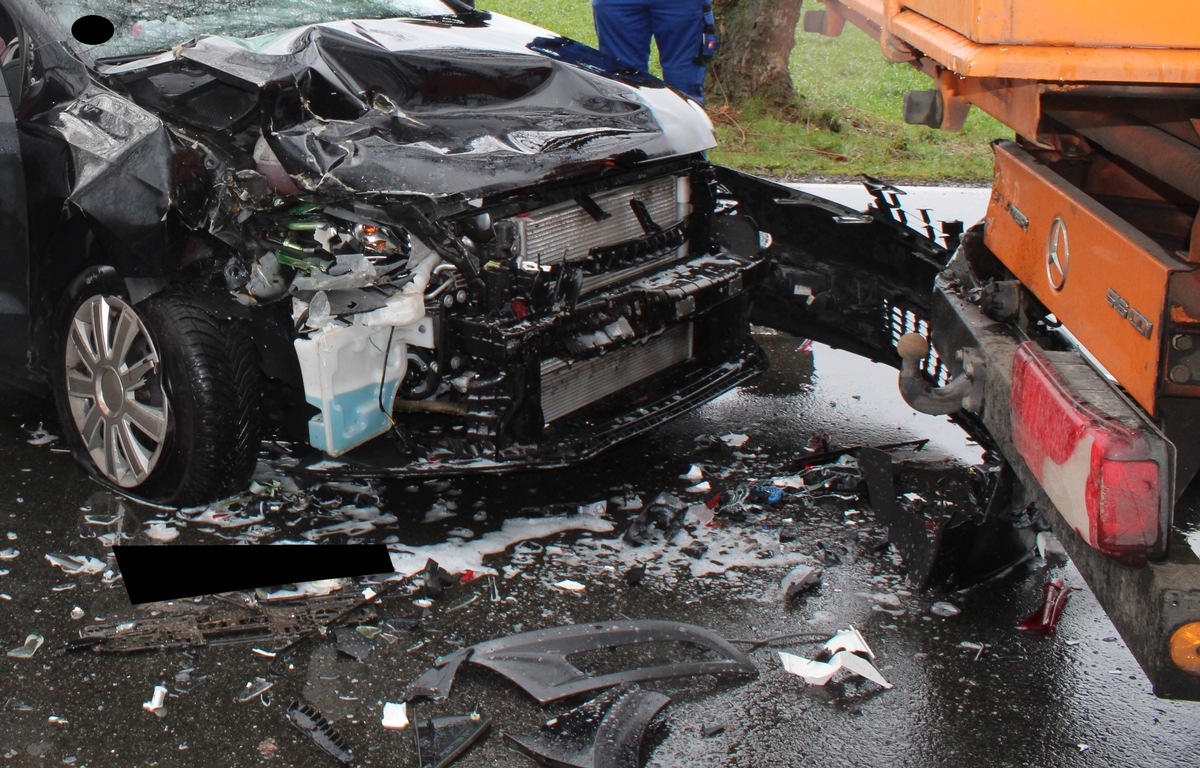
{"x": 155, "y": 704}
{"x": 570, "y": 586}
{"x": 802, "y": 579}
{"x": 255, "y": 688}
{"x": 605, "y": 732}
{"x": 317, "y": 728}
{"x": 1054, "y": 600}
{"x": 944, "y": 609}
{"x": 435, "y": 683}
{"x": 846, "y": 650}
{"x": 441, "y": 740}
{"x": 539, "y": 663}
{"x": 32, "y": 643}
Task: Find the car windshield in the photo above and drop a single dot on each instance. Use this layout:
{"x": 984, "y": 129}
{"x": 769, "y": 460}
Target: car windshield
{"x": 144, "y": 26}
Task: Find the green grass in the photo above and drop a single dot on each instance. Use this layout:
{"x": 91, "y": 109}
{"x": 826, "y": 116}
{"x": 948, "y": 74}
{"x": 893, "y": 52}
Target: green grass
{"x": 847, "y": 122}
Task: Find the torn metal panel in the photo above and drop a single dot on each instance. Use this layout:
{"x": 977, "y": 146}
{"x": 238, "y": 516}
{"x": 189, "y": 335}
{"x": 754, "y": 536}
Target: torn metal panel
{"x": 539, "y": 662}
{"x": 605, "y": 732}
{"x": 404, "y": 106}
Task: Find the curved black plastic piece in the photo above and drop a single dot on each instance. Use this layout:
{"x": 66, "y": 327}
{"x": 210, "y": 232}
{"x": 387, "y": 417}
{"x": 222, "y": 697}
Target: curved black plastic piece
{"x": 606, "y": 732}
{"x": 538, "y": 661}
{"x": 440, "y": 740}
{"x": 435, "y": 682}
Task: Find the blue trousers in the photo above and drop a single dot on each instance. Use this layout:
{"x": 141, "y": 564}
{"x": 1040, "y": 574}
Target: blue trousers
{"x": 625, "y": 27}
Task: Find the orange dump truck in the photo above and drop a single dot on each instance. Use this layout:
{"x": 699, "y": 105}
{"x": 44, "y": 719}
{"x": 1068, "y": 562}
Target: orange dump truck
{"x": 1092, "y": 228}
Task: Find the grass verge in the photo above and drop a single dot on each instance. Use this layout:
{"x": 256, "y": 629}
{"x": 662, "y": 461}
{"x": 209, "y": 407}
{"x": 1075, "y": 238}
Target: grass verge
{"x": 847, "y": 120}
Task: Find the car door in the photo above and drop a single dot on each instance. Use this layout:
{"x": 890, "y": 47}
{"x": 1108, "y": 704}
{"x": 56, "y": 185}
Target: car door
{"x": 14, "y": 241}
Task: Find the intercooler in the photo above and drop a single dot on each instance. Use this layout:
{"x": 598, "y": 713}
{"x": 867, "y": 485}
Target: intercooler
{"x": 568, "y": 230}
{"x": 567, "y": 387}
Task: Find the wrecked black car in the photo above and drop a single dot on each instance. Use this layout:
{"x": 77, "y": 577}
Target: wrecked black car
{"x": 413, "y": 235}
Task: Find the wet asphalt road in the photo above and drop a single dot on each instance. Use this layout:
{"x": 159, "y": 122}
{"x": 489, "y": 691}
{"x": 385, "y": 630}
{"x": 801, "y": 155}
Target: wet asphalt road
{"x": 1074, "y": 699}
{"x": 1023, "y": 701}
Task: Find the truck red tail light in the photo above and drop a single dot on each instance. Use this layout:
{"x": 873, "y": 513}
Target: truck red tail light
{"x": 1102, "y": 474}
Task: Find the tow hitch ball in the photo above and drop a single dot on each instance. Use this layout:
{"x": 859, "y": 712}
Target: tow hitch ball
{"x": 958, "y": 394}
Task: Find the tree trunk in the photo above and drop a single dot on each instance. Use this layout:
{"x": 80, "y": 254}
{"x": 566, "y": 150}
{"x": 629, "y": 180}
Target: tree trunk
{"x": 756, "y": 40}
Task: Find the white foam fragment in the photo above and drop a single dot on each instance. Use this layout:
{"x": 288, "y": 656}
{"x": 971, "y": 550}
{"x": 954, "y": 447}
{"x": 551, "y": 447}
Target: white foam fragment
{"x": 76, "y": 563}
{"x": 439, "y": 511}
{"x": 693, "y": 475}
{"x": 703, "y": 487}
{"x": 160, "y": 531}
{"x": 735, "y": 440}
{"x": 221, "y": 517}
{"x": 395, "y": 716}
{"x": 462, "y": 556}
{"x": 344, "y": 528}
{"x": 570, "y": 586}
{"x": 595, "y": 509}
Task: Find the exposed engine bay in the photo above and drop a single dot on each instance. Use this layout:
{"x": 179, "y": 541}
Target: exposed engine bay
{"x": 582, "y": 291}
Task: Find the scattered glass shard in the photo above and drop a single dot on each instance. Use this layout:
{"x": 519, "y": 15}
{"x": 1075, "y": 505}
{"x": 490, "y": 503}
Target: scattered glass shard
{"x": 33, "y": 641}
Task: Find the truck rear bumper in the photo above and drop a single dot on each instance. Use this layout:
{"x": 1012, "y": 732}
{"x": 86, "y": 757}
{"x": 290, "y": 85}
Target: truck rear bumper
{"x": 1147, "y": 603}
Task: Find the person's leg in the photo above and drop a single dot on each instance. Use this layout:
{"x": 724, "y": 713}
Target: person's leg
{"x": 678, "y": 28}
{"x": 623, "y": 27}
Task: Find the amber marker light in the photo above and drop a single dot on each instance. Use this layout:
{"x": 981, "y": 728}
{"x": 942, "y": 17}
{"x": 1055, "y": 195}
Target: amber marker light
{"x": 1185, "y": 647}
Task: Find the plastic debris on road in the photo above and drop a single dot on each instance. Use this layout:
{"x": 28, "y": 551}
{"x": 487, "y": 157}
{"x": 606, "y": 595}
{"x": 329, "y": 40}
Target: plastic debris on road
{"x": 155, "y": 704}
{"x": 846, "y": 650}
{"x": 395, "y": 716}
{"x": 734, "y": 440}
{"x": 255, "y": 689}
{"x": 605, "y": 732}
{"x": 33, "y": 641}
{"x": 1054, "y": 600}
{"x": 801, "y": 580}
{"x": 944, "y": 609}
{"x": 1050, "y": 548}
{"x": 693, "y": 475}
{"x": 441, "y": 740}
{"x": 316, "y": 726}
{"x": 570, "y": 586}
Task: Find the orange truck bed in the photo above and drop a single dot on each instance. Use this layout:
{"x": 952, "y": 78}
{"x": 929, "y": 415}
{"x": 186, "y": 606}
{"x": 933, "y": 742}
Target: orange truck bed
{"x": 1059, "y": 41}
{"x": 1064, "y": 22}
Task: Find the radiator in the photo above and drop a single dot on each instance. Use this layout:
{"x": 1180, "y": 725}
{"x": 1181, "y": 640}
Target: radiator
{"x": 567, "y": 387}
{"x": 566, "y": 228}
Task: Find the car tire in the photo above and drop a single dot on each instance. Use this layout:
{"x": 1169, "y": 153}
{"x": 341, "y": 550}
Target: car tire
{"x": 164, "y": 403}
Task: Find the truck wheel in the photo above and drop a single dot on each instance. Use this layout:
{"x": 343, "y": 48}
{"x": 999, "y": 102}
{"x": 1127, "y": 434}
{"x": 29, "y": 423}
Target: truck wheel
{"x": 160, "y": 400}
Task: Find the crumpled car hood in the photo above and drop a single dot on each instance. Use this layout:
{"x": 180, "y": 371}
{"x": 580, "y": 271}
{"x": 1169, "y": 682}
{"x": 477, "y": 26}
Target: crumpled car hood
{"x": 432, "y": 108}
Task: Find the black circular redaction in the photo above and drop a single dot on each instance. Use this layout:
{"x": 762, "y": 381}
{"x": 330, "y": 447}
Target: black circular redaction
{"x": 92, "y": 30}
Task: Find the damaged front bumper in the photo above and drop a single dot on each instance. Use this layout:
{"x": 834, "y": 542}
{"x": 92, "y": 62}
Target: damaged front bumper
{"x": 521, "y": 331}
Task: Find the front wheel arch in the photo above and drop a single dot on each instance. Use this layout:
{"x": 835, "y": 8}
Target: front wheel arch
{"x": 209, "y": 374}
